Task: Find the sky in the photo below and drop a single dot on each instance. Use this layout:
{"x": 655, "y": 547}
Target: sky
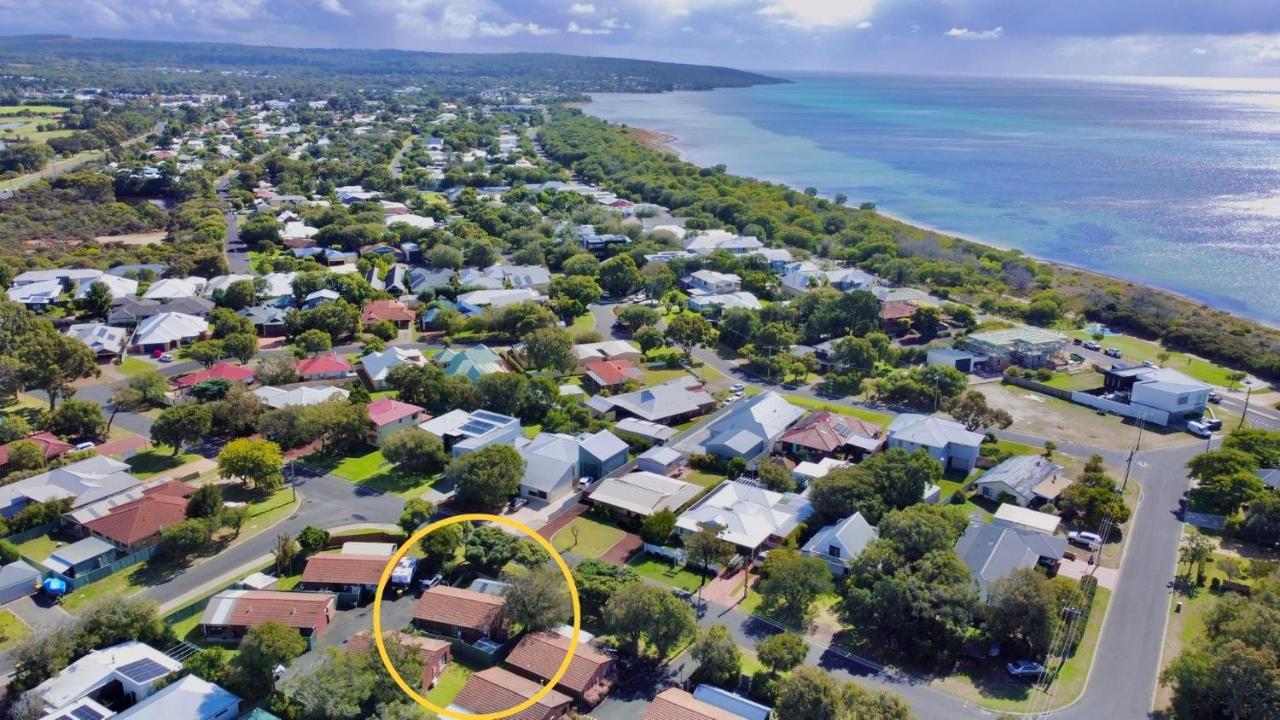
{"x": 1224, "y": 38}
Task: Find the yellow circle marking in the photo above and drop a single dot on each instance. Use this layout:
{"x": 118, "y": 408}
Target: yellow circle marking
{"x": 573, "y": 596}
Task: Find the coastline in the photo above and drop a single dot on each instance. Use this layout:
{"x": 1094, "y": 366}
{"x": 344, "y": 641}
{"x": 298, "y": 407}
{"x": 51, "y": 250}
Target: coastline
{"x": 667, "y": 142}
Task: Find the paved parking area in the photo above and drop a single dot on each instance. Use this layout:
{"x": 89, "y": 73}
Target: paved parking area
{"x": 397, "y": 613}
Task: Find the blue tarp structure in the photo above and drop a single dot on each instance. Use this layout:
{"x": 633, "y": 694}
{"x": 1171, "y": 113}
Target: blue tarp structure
{"x": 54, "y": 587}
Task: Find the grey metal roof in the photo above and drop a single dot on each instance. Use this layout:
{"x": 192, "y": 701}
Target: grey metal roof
{"x": 1021, "y": 473}
{"x": 992, "y": 552}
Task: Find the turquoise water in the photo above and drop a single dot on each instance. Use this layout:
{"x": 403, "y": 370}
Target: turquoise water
{"x": 1167, "y": 182}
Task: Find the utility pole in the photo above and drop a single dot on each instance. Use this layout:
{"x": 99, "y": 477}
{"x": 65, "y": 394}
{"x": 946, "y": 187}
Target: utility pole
{"x": 1129, "y": 465}
{"x": 1248, "y": 392}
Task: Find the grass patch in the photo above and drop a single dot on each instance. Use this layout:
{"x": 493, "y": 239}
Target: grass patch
{"x": 583, "y": 323}
{"x": 450, "y": 682}
{"x": 158, "y": 459}
{"x": 268, "y": 511}
{"x": 1140, "y": 350}
{"x": 9, "y": 110}
{"x": 372, "y": 470}
{"x": 857, "y": 412}
{"x": 134, "y": 366}
{"x": 593, "y": 538}
{"x": 704, "y": 478}
{"x": 661, "y": 374}
{"x": 531, "y": 431}
{"x": 40, "y": 548}
{"x": 358, "y": 468}
{"x": 12, "y": 630}
{"x": 1078, "y": 381}
{"x": 664, "y": 572}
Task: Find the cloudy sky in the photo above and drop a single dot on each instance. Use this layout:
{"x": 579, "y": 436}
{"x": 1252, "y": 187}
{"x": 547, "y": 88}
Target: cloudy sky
{"x": 1115, "y": 37}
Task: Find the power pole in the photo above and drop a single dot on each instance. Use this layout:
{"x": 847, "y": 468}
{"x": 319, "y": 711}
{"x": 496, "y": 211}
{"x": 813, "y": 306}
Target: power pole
{"x": 1248, "y": 393}
{"x": 1129, "y": 464}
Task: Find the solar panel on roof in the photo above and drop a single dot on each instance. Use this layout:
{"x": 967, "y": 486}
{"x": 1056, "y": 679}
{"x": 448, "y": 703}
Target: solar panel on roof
{"x": 84, "y": 713}
{"x": 145, "y": 670}
{"x": 476, "y": 427}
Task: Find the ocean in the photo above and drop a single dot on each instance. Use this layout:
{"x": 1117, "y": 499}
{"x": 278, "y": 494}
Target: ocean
{"x": 1169, "y": 182}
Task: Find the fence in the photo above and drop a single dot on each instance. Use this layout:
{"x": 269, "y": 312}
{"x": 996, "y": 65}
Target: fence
{"x": 31, "y": 533}
{"x": 187, "y": 611}
{"x": 337, "y": 541}
{"x": 91, "y": 576}
{"x": 1038, "y": 387}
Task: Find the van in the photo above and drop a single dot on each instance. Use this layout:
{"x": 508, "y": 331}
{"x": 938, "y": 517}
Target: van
{"x": 1199, "y": 429}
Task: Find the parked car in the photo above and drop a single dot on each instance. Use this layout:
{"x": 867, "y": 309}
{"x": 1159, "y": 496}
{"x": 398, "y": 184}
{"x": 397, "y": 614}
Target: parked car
{"x": 165, "y": 357}
{"x": 1199, "y": 429}
{"x": 86, "y": 445}
{"x": 1093, "y": 541}
{"x": 584, "y": 483}
{"x": 737, "y": 388}
{"x": 1214, "y": 397}
{"x": 1113, "y": 352}
{"x": 1076, "y": 341}
{"x": 430, "y": 582}
{"x": 516, "y": 504}
{"x": 402, "y": 574}
{"x": 1024, "y": 669}
{"x": 1092, "y": 345}
{"x": 1213, "y": 424}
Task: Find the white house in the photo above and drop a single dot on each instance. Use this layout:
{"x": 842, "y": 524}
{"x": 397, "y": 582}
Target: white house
{"x": 84, "y": 483}
{"x": 643, "y": 493}
{"x": 173, "y": 288}
{"x": 745, "y": 515}
{"x": 723, "y": 301}
{"x": 300, "y": 396}
{"x": 166, "y": 331}
{"x": 714, "y": 282}
{"x": 463, "y": 432}
{"x": 190, "y": 698}
{"x": 118, "y": 286}
{"x": 752, "y": 426}
{"x": 222, "y": 282}
{"x": 36, "y": 294}
{"x": 551, "y": 466}
{"x": 375, "y": 366}
{"x": 841, "y": 543}
{"x": 132, "y": 669}
{"x": 946, "y": 440}
{"x": 475, "y": 302}
{"x": 1017, "y": 517}
{"x": 104, "y": 340}
{"x": 708, "y": 241}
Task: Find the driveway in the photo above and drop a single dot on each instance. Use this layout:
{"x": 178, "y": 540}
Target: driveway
{"x": 397, "y": 613}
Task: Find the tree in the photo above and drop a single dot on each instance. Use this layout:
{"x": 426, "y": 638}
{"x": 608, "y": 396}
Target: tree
{"x": 439, "y": 546}
{"x": 416, "y": 512}
{"x": 598, "y": 581}
{"x": 25, "y": 455}
{"x": 688, "y": 331}
{"x": 285, "y": 552}
{"x": 576, "y": 291}
{"x": 210, "y": 390}
{"x": 781, "y": 652}
{"x": 489, "y": 547}
{"x": 855, "y": 355}
{"x": 649, "y": 338}
{"x": 205, "y": 352}
{"x": 96, "y": 303}
{"x": 13, "y": 427}
{"x": 971, "y": 410}
{"x": 619, "y": 276}
{"x": 256, "y": 463}
{"x": 650, "y": 616}
{"x": 336, "y": 688}
{"x": 1225, "y": 494}
{"x": 241, "y": 346}
{"x": 263, "y": 649}
{"x": 211, "y": 663}
{"x": 737, "y": 326}
{"x": 275, "y": 370}
{"x": 925, "y": 321}
{"x": 536, "y": 599}
{"x": 706, "y": 548}
{"x": 1093, "y": 497}
{"x": 416, "y": 451}
{"x": 238, "y": 413}
{"x": 549, "y": 349}
{"x": 181, "y": 424}
{"x": 1020, "y": 612}
{"x": 205, "y": 502}
{"x": 920, "y": 529}
{"x": 1195, "y": 551}
{"x": 719, "y": 660}
{"x": 51, "y": 361}
{"x": 180, "y": 541}
{"x": 1263, "y": 445}
{"x": 313, "y": 341}
{"x": 791, "y": 582}
{"x": 657, "y": 528}
{"x": 775, "y": 476}
{"x": 312, "y": 540}
{"x": 1226, "y": 461}
{"x": 1230, "y": 680}
{"x": 583, "y": 263}
{"x": 487, "y": 478}
{"x": 445, "y": 257}
{"x": 639, "y": 316}
{"x": 808, "y": 694}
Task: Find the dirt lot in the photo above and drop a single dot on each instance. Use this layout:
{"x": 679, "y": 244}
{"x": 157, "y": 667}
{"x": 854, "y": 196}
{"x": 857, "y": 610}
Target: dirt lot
{"x": 1048, "y": 417}
{"x": 145, "y": 238}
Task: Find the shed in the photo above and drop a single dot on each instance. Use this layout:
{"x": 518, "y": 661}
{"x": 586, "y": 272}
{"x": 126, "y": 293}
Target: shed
{"x": 1020, "y": 518}
{"x": 85, "y": 555}
{"x": 660, "y": 459}
{"x": 18, "y": 580}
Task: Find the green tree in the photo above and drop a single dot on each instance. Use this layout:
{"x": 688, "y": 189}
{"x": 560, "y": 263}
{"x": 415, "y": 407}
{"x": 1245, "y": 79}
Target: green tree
{"x": 549, "y": 349}
{"x": 791, "y": 582}
{"x": 264, "y": 648}
{"x": 657, "y": 528}
{"x": 688, "y": 331}
{"x": 256, "y": 463}
{"x": 775, "y": 476}
{"x": 241, "y": 346}
{"x": 1262, "y": 444}
{"x": 205, "y": 502}
{"x": 25, "y": 455}
{"x": 285, "y": 551}
{"x": 972, "y": 411}
{"x": 719, "y": 660}
{"x": 598, "y": 581}
{"x": 537, "y": 598}
{"x": 925, "y": 321}
{"x": 439, "y": 547}
{"x": 619, "y": 276}
{"x": 416, "y": 451}
{"x": 181, "y": 424}
{"x": 649, "y": 338}
{"x": 239, "y": 295}
{"x": 487, "y": 478}
{"x": 312, "y": 540}
{"x": 313, "y": 342}
{"x": 1020, "y": 612}
{"x": 1195, "y": 551}
{"x": 96, "y": 303}
{"x": 181, "y": 540}
{"x": 51, "y": 361}
{"x": 781, "y": 652}
{"x": 639, "y": 316}
{"x": 648, "y": 616}
{"x": 416, "y": 513}
{"x": 706, "y": 548}
{"x": 205, "y": 352}
{"x": 1231, "y": 680}
{"x": 808, "y": 694}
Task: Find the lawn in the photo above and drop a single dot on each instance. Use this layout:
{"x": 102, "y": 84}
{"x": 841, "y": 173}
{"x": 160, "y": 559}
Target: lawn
{"x": 531, "y": 431}
{"x": 159, "y": 459}
{"x": 268, "y": 511}
{"x": 450, "y": 683}
{"x": 592, "y": 540}
{"x": 857, "y": 412}
{"x": 583, "y": 323}
{"x": 117, "y": 585}
{"x": 704, "y": 478}
{"x": 40, "y": 548}
{"x": 658, "y": 374}
{"x": 662, "y": 571}
{"x": 358, "y": 468}
{"x": 12, "y": 630}
{"x": 372, "y": 470}
{"x": 1139, "y": 350}
{"x": 10, "y": 110}
{"x": 1078, "y": 381}
{"x": 135, "y": 366}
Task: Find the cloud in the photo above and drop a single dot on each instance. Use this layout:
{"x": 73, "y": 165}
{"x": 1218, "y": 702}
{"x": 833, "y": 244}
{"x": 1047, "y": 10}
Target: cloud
{"x": 334, "y": 6}
{"x": 577, "y": 29}
{"x": 818, "y": 14}
{"x": 1199, "y": 51}
{"x": 864, "y": 25}
{"x": 994, "y": 33}
{"x": 582, "y": 9}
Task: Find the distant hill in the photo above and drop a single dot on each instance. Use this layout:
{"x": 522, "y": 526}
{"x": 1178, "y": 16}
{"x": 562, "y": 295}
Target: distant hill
{"x": 122, "y": 63}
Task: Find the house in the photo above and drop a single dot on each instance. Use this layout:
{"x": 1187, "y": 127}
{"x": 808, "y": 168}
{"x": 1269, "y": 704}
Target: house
{"x": 472, "y": 363}
{"x": 220, "y": 283}
{"x": 703, "y": 303}
{"x": 670, "y": 403}
{"x": 277, "y": 284}
{"x": 841, "y": 543}
{"x": 495, "y": 690}
{"x": 477, "y": 301}
{"x": 268, "y": 320}
{"x": 521, "y": 277}
{"x": 132, "y": 311}
{"x": 105, "y": 341}
{"x": 396, "y": 280}
{"x": 1022, "y": 518}
{"x": 660, "y": 459}
{"x": 242, "y": 374}
{"x": 805, "y": 472}
{"x": 411, "y": 219}
{"x": 127, "y": 673}
{"x": 84, "y": 482}
{"x": 463, "y": 432}
{"x": 118, "y": 286}
{"x": 36, "y": 295}
{"x": 330, "y": 366}
{"x": 751, "y": 426}
{"x": 67, "y": 276}
{"x": 676, "y": 704}
{"x": 1152, "y": 394}
{"x": 713, "y": 282}
{"x": 643, "y": 429}
{"x": 607, "y": 374}
{"x": 230, "y": 614}
{"x": 1024, "y": 480}
{"x": 600, "y": 453}
{"x": 992, "y": 552}
{"x": 946, "y": 440}
{"x": 375, "y": 366}
{"x": 51, "y": 446}
{"x": 732, "y": 703}
{"x": 297, "y": 230}
{"x": 304, "y": 396}
{"x": 895, "y": 316}
{"x": 962, "y": 360}
{"x": 468, "y": 615}
{"x": 826, "y": 434}
{"x": 551, "y": 466}
{"x": 136, "y": 523}
{"x": 642, "y": 493}
{"x": 343, "y": 572}
{"x": 606, "y": 350}
{"x": 747, "y": 516}
{"x": 393, "y": 311}
{"x": 1269, "y": 477}
{"x": 190, "y": 698}
{"x": 167, "y": 331}
{"x": 317, "y": 298}
{"x": 538, "y": 657}
{"x": 434, "y": 654}
{"x": 1023, "y": 345}
{"x": 175, "y": 288}
{"x": 80, "y": 557}
{"x": 708, "y": 241}
{"x": 389, "y": 415}
{"x": 18, "y": 580}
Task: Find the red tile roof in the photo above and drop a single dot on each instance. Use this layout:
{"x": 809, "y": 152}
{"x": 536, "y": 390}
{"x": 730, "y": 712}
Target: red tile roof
{"x": 540, "y": 654}
{"x": 140, "y": 519}
{"x": 897, "y": 309}
{"x": 339, "y": 569}
{"x": 827, "y": 432}
{"x": 495, "y": 690}
{"x": 322, "y": 365}
{"x": 51, "y": 444}
{"x": 676, "y": 704}
{"x": 608, "y": 373}
{"x": 459, "y": 608}
{"x": 384, "y": 411}
{"x": 429, "y": 650}
{"x": 303, "y": 610}
{"x": 387, "y": 309}
{"x": 221, "y": 371}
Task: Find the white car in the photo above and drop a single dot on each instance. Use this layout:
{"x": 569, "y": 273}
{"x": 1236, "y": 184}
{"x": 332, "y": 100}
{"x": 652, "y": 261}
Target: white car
{"x": 737, "y": 388}
{"x": 1025, "y": 669}
{"x": 1093, "y": 541}
{"x": 86, "y": 445}
{"x": 165, "y": 357}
